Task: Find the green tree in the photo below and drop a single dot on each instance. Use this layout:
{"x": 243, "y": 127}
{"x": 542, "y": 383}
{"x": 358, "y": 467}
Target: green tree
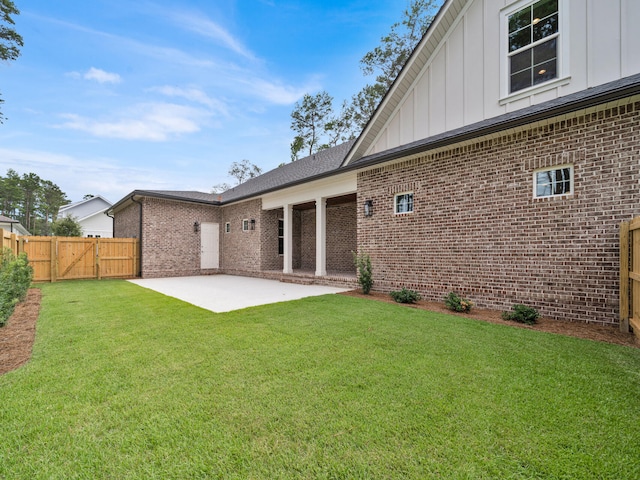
{"x": 10, "y": 40}
{"x": 387, "y": 59}
{"x": 31, "y": 200}
{"x": 30, "y": 186}
{"x": 243, "y": 171}
{"x": 66, "y": 227}
{"x": 50, "y": 199}
{"x": 308, "y": 121}
{"x": 10, "y": 193}
{"x": 313, "y": 118}
{"x": 364, "y": 103}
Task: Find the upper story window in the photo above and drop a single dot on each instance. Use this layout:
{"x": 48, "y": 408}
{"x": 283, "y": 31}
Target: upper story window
{"x": 403, "y": 203}
{"x": 533, "y": 45}
{"x": 245, "y": 225}
{"x": 553, "y": 181}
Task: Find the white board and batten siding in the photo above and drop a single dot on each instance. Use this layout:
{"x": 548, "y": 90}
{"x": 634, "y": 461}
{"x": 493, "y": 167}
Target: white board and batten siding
{"x": 464, "y": 78}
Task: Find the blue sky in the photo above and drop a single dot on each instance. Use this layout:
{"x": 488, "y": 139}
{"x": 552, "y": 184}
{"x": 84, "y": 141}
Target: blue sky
{"x": 110, "y": 96}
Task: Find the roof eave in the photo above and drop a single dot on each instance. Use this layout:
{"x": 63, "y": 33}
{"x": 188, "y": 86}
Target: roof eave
{"x": 499, "y": 125}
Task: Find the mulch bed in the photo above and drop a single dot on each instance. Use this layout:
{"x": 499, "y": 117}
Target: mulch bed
{"x": 591, "y": 331}
{"x": 18, "y": 335}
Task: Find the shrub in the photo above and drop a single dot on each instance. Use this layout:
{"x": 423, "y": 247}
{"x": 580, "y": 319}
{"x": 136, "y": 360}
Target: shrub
{"x": 405, "y": 296}
{"x": 365, "y": 271}
{"x": 455, "y": 302}
{"x": 15, "y": 278}
{"x": 66, "y": 227}
{"x": 522, "y": 314}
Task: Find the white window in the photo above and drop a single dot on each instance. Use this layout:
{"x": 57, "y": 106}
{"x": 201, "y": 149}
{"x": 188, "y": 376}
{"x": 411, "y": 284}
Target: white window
{"x": 280, "y": 236}
{"x": 533, "y": 35}
{"x": 534, "y": 51}
{"x": 553, "y": 182}
{"x": 403, "y": 203}
{"x": 227, "y": 227}
{"x": 245, "y": 225}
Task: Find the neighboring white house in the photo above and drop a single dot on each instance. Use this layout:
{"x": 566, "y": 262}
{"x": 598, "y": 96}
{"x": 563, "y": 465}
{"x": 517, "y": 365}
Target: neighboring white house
{"x": 91, "y": 214}
{"x": 13, "y": 226}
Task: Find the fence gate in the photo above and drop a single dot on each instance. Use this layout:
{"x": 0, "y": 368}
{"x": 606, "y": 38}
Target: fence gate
{"x": 70, "y": 258}
{"x": 630, "y": 276}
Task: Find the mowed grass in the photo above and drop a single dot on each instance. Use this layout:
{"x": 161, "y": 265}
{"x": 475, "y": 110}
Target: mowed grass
{"x": 127, "y": 383}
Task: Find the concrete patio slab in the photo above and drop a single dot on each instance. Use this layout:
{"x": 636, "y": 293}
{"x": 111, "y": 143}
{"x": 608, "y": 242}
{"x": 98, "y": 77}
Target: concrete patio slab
{"x": 224, "y": 293}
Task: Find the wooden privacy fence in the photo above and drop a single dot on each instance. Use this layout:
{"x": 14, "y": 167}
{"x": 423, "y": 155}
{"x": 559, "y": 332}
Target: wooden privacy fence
{"x": 71, "y": 258}
{"x": 11, "y": 241}
{"x": 630, "y": 276}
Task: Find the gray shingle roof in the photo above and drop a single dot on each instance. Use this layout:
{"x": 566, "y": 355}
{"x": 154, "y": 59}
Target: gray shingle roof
{"x": 187, "y": 195}
{"x": 329, "y": 162}
{"x": 320, "y": 164}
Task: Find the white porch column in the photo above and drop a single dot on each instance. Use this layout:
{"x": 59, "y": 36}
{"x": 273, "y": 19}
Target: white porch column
{"x": 321, "y": 237}
{"x": 288, "y": 238}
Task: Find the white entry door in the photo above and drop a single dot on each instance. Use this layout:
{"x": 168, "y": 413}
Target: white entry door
{"x": 209, "y": 245}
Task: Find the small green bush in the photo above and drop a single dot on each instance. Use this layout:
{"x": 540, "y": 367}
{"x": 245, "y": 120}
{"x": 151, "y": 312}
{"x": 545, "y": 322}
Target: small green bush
{"x": 365, "y": 271}
{"x": 405, "y": 296}
{"x": 455, "y": 302}
{"x": 522, "y": 314}
{"x": 15, "y": 279}
{"x": 66, "y": 227}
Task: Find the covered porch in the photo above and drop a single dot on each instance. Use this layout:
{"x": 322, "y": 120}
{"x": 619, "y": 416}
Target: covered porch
{"x": 317, "y": 234}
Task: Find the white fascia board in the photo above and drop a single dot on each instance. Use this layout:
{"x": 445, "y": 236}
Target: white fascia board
{"x": 333, "y": 186}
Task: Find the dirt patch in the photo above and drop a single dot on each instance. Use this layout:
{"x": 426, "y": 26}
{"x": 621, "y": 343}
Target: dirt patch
{"x": 17, "y": 336}
{"x": 591, "y": 331}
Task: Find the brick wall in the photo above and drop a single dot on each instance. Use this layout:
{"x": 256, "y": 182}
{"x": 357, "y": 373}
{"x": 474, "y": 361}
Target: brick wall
{"x": 477, "y": 229}
{"x": 296, "y": 240}
{"x": 170, "y": 247}
{"x": 270, "y": 259}
{"x": 341, "y": 237}
{"x": 240, "y": 250}
{"x": 308, "y": 240}
{"x": 126, "y": 223}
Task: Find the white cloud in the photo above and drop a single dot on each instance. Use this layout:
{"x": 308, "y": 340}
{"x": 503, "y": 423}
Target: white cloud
{"x": 208, "y": 28}
{"x": 97, "y": 175}
{"x": 151, "y": 122}
{"x": 101, "y": 76}
{"x": 193, "y": 95}
{"x": 278, "y": 93}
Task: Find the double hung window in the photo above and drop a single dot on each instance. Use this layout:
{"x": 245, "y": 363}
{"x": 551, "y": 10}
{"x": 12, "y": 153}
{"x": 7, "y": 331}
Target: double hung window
{"x": 533, "y": 45}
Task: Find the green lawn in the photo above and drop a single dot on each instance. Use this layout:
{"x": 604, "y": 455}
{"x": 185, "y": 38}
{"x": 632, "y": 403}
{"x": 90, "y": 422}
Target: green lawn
{"x": 127, "y": 383}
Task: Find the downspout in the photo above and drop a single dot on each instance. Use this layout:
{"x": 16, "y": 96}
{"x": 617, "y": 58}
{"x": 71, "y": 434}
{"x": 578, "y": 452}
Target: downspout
{"x": 140, "y": 239}
{"x": 113, "y": 222}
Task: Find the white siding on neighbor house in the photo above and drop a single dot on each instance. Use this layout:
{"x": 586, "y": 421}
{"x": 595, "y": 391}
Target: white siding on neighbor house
{"x": 465, "y": 80}
{"x": 97, "y": 225}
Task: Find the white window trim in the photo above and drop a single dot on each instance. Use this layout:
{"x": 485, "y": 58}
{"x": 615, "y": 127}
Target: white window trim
{"x": 547, "y": 169}
{"x": 563, "y": 64}
{"x": 245, "y": 224}
{"x": 395, "y": 203}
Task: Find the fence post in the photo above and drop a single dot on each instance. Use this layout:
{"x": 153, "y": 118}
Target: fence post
{"x": 54, "y": 259}
{"x": 624, "y": 277}
{"x": 97, "y": 250}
